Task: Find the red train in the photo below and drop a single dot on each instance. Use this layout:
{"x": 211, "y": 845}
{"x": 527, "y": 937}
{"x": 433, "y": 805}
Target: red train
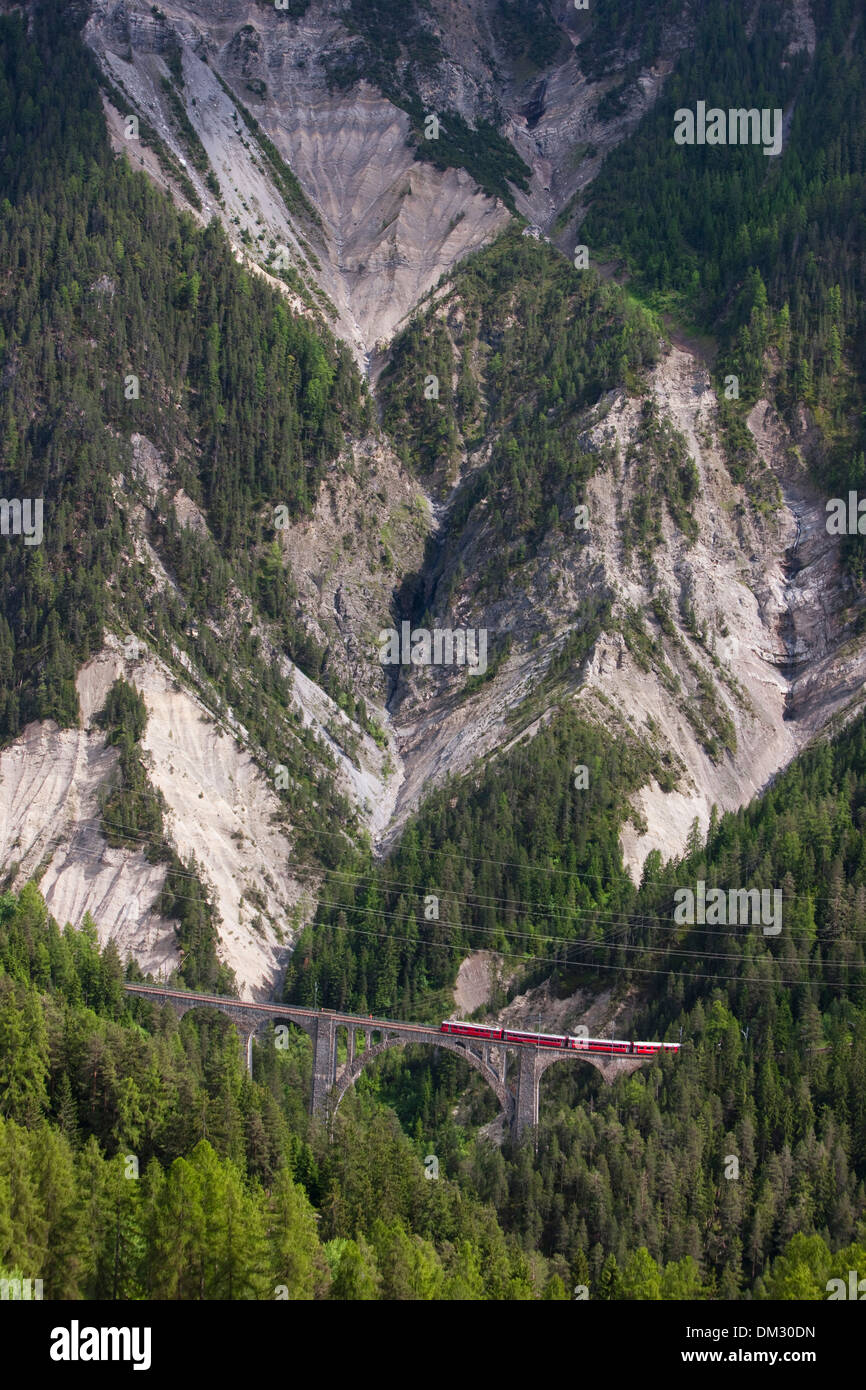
{"x": 560, "y": 1040}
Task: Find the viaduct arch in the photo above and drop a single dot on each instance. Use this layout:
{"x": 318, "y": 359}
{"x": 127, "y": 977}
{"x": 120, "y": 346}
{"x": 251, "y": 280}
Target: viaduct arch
{"x": 352, "y": 1070}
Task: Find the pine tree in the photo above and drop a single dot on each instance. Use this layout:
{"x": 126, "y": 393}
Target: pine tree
{"x": 609, "y": 1280}
{"x": 295, "y": 1253}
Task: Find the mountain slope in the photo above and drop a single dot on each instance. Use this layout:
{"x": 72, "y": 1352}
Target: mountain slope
{"x": 257, "y": 531}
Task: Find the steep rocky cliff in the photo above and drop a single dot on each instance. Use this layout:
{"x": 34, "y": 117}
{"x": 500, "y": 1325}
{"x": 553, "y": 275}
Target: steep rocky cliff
{"x": 727, "y": 645}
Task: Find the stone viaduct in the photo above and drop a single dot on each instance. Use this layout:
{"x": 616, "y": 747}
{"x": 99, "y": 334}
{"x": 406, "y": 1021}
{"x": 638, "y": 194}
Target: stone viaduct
{"x": 512, "y": 1071}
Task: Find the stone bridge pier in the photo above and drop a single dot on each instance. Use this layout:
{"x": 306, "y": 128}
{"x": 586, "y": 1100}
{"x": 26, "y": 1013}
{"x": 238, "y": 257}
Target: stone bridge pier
{"x": 533, "y": 1064}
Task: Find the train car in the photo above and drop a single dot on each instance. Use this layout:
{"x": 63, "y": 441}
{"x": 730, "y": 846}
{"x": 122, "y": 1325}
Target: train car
{"x": 610, "y": 1046}
{"x": 619, "y": 1047}
{"x": 471, "y": 1030}
{"x": 536, "y": 1039}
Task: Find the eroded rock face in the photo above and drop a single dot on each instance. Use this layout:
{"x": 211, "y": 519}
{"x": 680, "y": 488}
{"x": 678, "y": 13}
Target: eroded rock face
{"x": 390, "y": 225}
{"x": 221, "y": 808}
{"x": 49, "y": 830}
{"x": 780, "y": 650}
